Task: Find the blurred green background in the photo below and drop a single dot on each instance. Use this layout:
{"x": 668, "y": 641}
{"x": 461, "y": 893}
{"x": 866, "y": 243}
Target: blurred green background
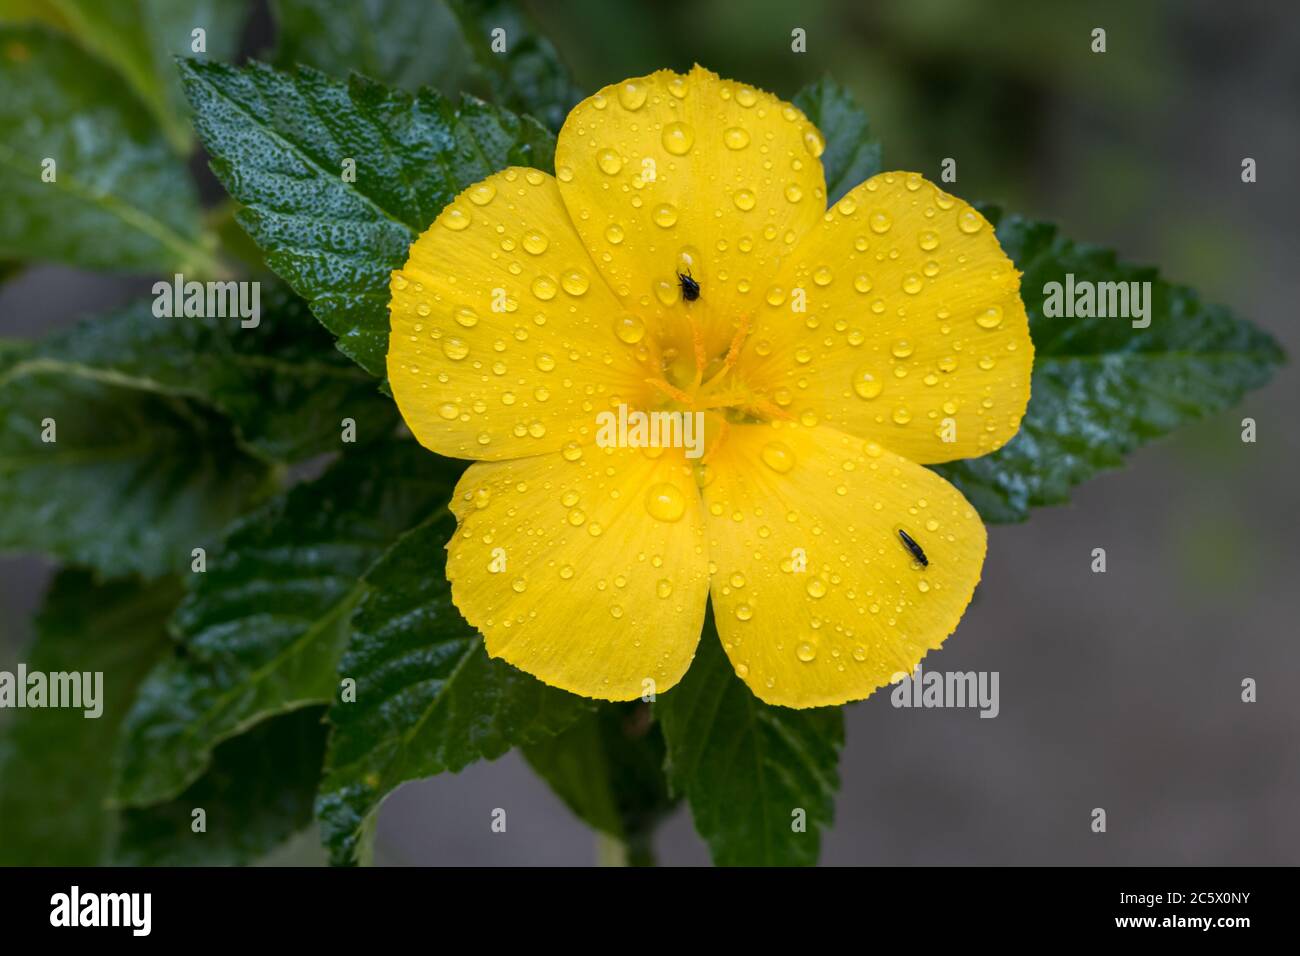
{"x": 1118, "y": 690}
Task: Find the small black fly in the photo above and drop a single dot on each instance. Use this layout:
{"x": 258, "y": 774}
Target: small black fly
{"x": 690, "y": 288}
{"x": 913, "y": 547}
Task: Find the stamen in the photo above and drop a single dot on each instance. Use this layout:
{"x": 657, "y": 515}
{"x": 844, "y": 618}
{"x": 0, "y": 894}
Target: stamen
{"x": 723, "y": 428}
{"x": 671, "y": 391}
{"x": 770, "y": 409}
{"x": 733, "y": 350}
{"x": 697, "y": 340}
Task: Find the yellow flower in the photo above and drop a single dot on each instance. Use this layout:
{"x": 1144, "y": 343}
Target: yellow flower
{"x": 832, "y": 352}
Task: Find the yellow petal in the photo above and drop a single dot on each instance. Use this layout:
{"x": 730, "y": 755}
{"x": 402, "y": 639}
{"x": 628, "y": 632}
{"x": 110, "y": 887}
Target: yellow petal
{"x": 504, "y": 336}
{"x": 673, "y": 173}
{"x": 914, "y": 333}
{"x": 590, "y": 574}
{"x": 862, "y": 609}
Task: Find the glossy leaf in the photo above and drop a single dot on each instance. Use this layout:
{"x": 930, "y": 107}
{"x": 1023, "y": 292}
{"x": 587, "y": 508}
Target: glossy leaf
{"x": 1101, "y": 388}
{"x": 608, "y": 768}
{"x": 57, "y": 766}
{"x": 262, "y": 629}
{"x": 256, "y": 795}
{"x": 139, "y": 38}
{"x": 282, "y": 382}
{"x": 279, "y": 143}
{"x": 133, "y": 482}
{"x": 750, "y": 771}
{"x": 404, "y": 43}
{"x": 521, "y": 64}
{"x": 117, "y": 196}
{"x": 428, "y": 698}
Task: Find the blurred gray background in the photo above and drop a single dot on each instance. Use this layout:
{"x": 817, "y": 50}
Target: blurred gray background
{"x": 1118, "y": 690}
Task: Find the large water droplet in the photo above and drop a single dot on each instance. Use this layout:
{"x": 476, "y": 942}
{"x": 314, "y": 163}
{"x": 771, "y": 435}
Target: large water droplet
{"x": 535, "y": 242}
{"x": 455, "y": 219}
{"x": 736, "y": 138}
{"x": 665, "y": 502}
{"x": 575, "y": 282}
{"x": 609, "y": 161}
{"x": 866, "y": 385}
{"x": 632, "y": 95}
{"x": 629, "y": 329}
{"x": 665, "y": 215}
{"x": 969, "y": 221}
{"x": 544, "y": 288}
{"x": 678, "y": 138}
{"x": 777, "y": 456}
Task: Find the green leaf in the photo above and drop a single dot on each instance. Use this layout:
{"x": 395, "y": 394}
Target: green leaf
{"x": 404, "y": 43}
{"x": 57, "y": 771}
{"x": 278, "y": 142}
{"x": 282, "y": 383}
{"x": 256, "y": 795}
{"x": 139, "y": 38}
{"x": 120, "y": 198}
{"x": 852, "y": 153}
{"x": 133, "y": 482}
{"x": 1102, "y": 388}
{"x": 262, "y": 629}
{"x": 527, "y": 76}
{"x": 608, "y": 768}
{"x": 428, "y": 698}
{"x": 747, "y": 767}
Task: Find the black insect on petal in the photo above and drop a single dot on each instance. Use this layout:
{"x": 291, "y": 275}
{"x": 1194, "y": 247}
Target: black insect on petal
{"x": 690, "y": 288}
{"x": 914, "y": 548}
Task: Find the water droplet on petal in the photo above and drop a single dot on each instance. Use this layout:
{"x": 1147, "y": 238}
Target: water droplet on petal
{"x": 632, "y": 95}
{"x": 777, "y": 456}
{"x": 665, "y": 215}
{"x": 609, "y": 161}
{"x": 990, "y": 318}
{"x": 544, "y": 288}
{"x": 575, "y": 282}
{"x": 806, "y": 652}
{"x": 629, "y": 329}
{"x": 866, "y": 385}
{"x": 813, "y": 142}
{"x": 969, "y": 221}
{"x": 736, "y": 138}
{"x": 482, "y": 194}
{"x": 535, "y": 242}
{"x": 678, "y": 138}
{"x": 665, "y": 502}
